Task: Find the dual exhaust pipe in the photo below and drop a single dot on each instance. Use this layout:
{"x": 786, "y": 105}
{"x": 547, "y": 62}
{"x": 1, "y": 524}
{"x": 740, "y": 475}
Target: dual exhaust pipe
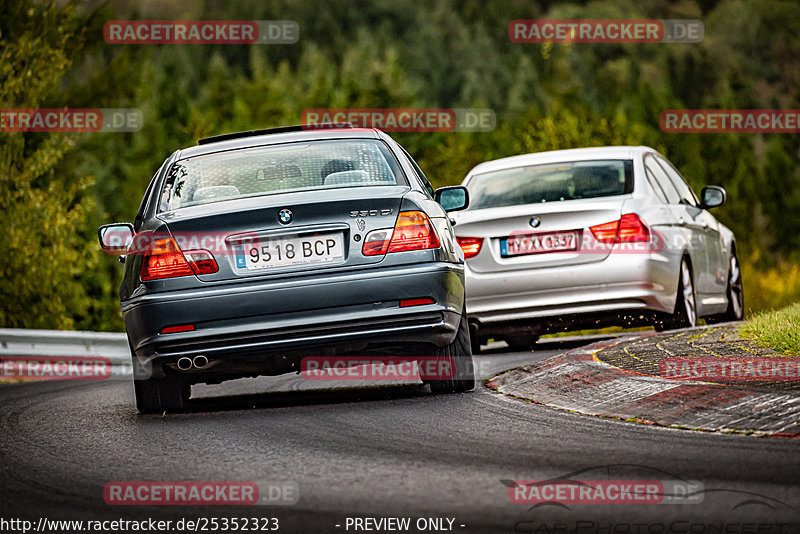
{"x": 188, "y": 364}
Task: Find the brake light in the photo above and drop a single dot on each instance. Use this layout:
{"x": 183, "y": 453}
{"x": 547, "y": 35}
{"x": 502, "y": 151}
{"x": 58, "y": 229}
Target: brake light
{"x": 632, "y": 229}
{"x": 164, "y": 259}
{"x": 470, "y": 245}
{"x": 412, "y": 231}
{"x": 628, "y": 229}
{"x": 377, "y": 242}
{"x": 201, "y": 261}
{"x": 607, "y": 232}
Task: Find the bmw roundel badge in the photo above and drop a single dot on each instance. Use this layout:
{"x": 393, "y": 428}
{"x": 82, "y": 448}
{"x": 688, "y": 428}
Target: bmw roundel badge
{"x": 285, "y": 216}
{"x": 535, "y": 222}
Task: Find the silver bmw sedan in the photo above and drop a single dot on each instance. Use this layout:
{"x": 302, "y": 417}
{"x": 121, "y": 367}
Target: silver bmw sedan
{"x": 589, "y": 238}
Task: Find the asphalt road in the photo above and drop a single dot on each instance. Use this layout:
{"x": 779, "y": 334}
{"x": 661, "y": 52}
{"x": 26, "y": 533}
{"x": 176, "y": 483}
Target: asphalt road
{"x": 390, "y": 451}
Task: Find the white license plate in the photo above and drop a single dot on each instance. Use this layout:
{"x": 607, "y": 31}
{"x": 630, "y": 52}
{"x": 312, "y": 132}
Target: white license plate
{"x": 303, "y": 250}
{"x": 539, "y": 243}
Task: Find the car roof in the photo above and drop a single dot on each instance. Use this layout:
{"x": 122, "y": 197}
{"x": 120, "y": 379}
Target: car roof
{"x": 280, "y": 138}
{"x": 558, "y": 156}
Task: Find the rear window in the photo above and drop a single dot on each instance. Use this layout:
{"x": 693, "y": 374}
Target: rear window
{"x": 276, "y": 169}
{"x": 557, "y": 182}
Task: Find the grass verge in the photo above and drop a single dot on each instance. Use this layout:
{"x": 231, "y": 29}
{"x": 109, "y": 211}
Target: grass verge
{"x": 779, "y": 330}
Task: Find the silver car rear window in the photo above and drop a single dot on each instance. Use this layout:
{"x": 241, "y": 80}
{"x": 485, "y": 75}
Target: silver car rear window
{"x": 275, "y": 169}
{"x": 554, "y": 182}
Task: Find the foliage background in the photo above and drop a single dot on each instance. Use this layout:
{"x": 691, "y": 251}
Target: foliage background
{"x": 55, "y": 189}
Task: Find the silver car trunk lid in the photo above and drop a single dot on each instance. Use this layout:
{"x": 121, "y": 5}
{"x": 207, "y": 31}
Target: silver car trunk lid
{"x": 538, "y": 235}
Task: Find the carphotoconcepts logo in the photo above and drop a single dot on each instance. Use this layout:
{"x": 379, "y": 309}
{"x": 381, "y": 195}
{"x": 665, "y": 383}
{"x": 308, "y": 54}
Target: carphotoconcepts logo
{"x": 730, "y": 121}
{"x": 201, "y": 32}
{"x": 376, "y": 368}
{"x": 405, "y": 119}
{"x": 55, "y": 368}
{"x": 200, "y": 493}
{"x": 70, "y": 120}
{"x": 767, "y": 369}
{"x": 606, "y": 31}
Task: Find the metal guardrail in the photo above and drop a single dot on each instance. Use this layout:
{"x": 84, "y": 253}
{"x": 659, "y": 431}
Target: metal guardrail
{"x": 65, "y": 343}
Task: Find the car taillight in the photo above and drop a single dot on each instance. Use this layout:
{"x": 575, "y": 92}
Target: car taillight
{"x": 628, "y": 229}
{"x": 470, "y": 245}
{"x": 164, "y": 259}
{"x": 632, "y": 229}
{"x": 412, "y": 231}
{"x": 201, "y": 261}
{"x": 377, "y": 242}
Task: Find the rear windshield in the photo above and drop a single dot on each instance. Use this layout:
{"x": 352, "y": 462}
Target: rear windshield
{"x": 550, "y": 183}
{"x": 275, "y": 169}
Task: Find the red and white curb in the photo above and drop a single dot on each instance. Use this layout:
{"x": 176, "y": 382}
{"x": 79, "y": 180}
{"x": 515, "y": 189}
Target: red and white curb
{"x": 576, "y": 381}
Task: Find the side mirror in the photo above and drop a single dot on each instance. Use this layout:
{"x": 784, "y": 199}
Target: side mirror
{"x": 452, "y": 198}
{"x": 115, "y": 238}
{"x": 712, "y": 196}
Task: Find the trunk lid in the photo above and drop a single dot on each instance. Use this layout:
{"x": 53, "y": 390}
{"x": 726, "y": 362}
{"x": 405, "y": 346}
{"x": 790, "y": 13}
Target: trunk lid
{"x": 535, "y": 236}
{"x": 303, "y": 232}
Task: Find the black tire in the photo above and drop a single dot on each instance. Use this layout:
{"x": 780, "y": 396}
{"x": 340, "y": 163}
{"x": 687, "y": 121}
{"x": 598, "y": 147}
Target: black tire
{"x": 521, "y": 343}
{"x": 157, "y": 395}
{"x": 735, "y": 293}
{"x": 459, "y": 355}
{"x": 685, "y": 313}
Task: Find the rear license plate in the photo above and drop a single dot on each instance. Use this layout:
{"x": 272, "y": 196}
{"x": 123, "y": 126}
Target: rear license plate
{"x": 286, "y": 251}
{"x": 519, "y": 245}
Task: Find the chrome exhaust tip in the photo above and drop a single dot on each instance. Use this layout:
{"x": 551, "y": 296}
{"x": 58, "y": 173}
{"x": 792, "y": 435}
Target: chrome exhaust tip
{"x": 200, "y": 361}
{"x": 184, "y": 363}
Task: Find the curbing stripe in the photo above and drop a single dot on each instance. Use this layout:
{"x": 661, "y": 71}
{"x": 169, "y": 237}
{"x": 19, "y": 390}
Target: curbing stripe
{"x": 577, "y": 381}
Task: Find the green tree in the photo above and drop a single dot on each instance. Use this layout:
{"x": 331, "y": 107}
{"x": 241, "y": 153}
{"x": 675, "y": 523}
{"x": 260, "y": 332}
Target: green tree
{"x": 42, "y": 211}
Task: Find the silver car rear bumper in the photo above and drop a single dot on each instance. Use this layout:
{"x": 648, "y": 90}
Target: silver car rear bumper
{"x": 620, "y": 282}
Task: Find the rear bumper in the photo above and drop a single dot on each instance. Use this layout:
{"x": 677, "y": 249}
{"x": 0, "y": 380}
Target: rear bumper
{"x": 248, "y": 321}
{"x": 620, "y": 284}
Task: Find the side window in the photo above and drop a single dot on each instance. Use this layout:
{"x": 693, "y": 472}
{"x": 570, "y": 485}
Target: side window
{"x": 655, "y": 187}
{"x": 139, "y": 220}
{"x": 673, "y": 197}
{"x": 687, "y": 195}
{"x": 421, "y": 178}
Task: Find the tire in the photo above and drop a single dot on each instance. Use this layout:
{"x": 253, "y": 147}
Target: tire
{"x": 735, "y": 294}
{"x": 157, "y": 395}
{"x": 685, "y": 314}
{"x": 458, "y": 354}
{"x": 521, "y": 343}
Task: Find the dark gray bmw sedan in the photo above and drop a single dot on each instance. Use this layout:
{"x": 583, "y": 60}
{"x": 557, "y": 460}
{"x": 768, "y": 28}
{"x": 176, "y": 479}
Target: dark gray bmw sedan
{"x": 255, "y": 250}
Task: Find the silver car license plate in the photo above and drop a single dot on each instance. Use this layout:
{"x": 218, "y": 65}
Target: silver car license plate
{"x": 518, "y": 245}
